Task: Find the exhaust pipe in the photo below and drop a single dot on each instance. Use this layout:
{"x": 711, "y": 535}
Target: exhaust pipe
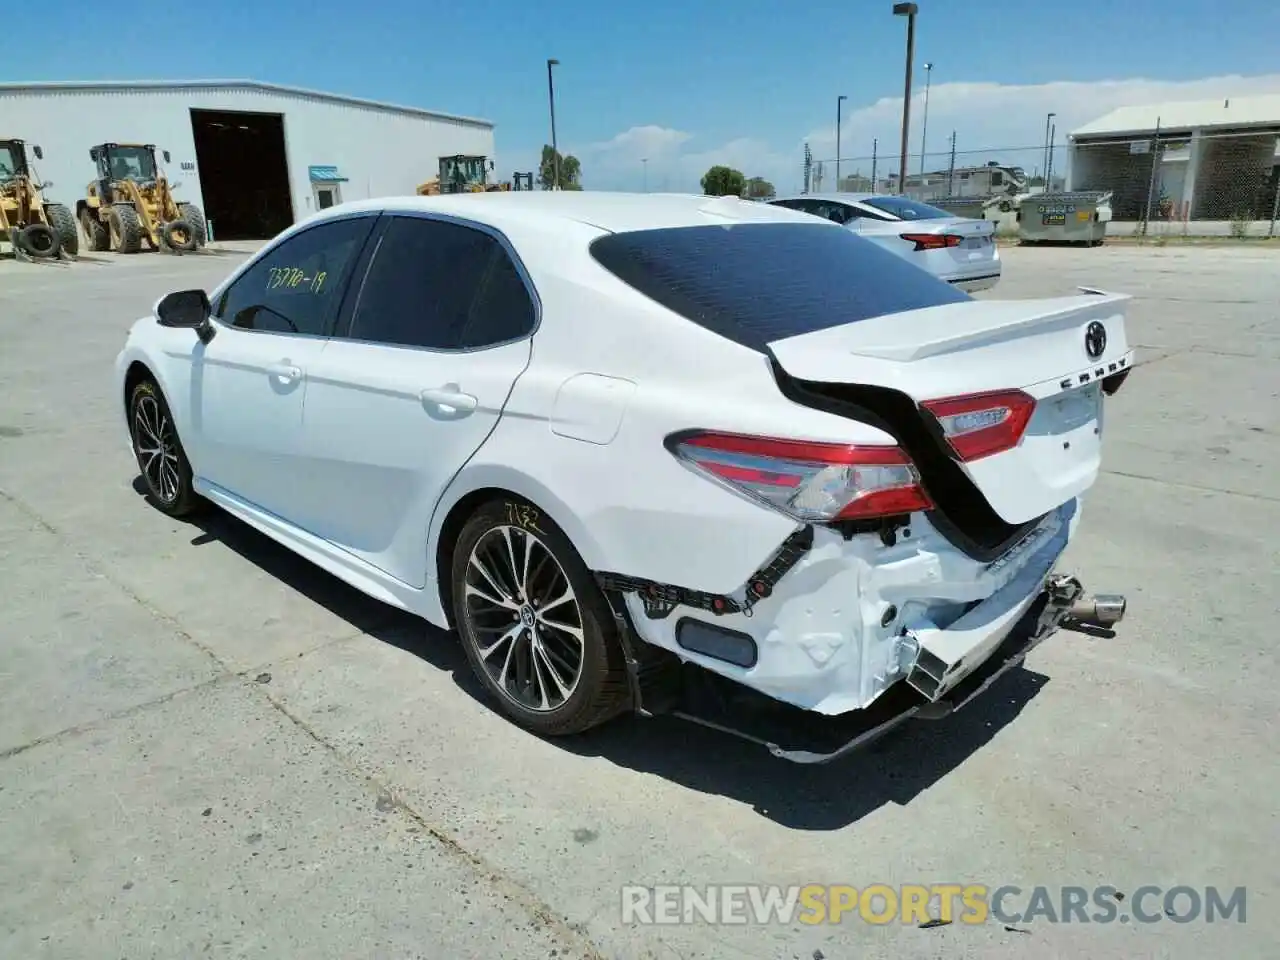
{"x": 1101, "y": 610}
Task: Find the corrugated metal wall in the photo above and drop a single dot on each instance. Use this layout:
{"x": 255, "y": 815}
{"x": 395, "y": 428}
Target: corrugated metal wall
{"x": 383, "y": 152}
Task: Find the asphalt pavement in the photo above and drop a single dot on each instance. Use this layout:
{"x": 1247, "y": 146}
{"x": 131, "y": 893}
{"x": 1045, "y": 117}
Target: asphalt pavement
{"x": 210, "y": 748}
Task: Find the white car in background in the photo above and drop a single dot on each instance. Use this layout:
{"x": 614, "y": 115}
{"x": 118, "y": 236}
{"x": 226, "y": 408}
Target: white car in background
{"x": 959, "y": 250}
{"x": 630, "y": 446}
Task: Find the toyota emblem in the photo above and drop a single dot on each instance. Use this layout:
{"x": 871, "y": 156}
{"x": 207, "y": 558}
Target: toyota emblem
{"x": 1095, "y": 340}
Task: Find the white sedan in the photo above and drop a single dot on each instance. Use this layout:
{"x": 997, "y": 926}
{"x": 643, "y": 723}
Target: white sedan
{"x": 632, "y": 445}
{"x": 959, "y": 250}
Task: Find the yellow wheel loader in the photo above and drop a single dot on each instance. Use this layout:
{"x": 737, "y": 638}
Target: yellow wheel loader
{"x": 35, "y": 227}
{"x": 462, "y": 174}
{"x": 131, "y": 203}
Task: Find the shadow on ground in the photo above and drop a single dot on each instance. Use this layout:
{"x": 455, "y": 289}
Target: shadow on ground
{"x": 805, "y": 797}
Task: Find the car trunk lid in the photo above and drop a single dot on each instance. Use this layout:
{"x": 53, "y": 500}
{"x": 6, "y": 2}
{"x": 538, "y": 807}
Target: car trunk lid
{"x": 1056, "y": 351}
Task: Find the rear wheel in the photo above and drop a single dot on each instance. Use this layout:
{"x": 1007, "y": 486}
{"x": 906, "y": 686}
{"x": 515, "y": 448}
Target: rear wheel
{"x": 193, "y": 215}
{"x": 95, "y": 232}
{"x": 64, "y": 225}
{"x": 535, "y": 626}
{"x": 161, "y": 459}
{"x": 125, "y": 227}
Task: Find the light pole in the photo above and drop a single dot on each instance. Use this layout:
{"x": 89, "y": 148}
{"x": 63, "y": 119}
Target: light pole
{"x": 1044, "y": 166}
{"x": 839, "y": 102}
{"x": 644, "y": 165}
{"x": 908, "y": 10}
{"x": 924, "y": 131}
{"x": 555, "y": 149}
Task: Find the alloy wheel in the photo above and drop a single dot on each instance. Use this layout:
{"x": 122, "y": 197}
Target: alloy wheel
{"x": 525, "y": 618}
{"x": 156, "y": 446}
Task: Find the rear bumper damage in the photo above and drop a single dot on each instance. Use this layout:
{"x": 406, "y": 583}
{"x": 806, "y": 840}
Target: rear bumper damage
{"x": 802, "y": 736}
{"x": 839, "y": 640}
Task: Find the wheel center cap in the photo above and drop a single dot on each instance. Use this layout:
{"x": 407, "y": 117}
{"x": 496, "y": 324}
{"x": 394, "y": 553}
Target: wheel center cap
{"x": 526, "y": 616}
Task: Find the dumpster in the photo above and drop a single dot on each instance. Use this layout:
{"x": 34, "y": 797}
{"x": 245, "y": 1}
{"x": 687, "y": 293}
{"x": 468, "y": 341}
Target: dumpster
{"x": 960, "y": 206}
{"x": 1077, "y": 217}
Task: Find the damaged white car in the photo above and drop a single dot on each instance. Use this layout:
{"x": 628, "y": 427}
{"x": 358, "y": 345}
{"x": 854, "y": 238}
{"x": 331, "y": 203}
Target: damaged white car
{"x": 639, "y": 448}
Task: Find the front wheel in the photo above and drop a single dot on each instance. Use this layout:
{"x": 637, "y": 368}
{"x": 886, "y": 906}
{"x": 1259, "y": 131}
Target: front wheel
{"x": 535, "y": 626}
{"x": 161, "y": 459}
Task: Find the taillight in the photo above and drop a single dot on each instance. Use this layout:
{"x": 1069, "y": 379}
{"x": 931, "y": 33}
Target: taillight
{"x": 933, "y": 241}
{"x": 809, "y": 481}
{"x": 980, "y": 424}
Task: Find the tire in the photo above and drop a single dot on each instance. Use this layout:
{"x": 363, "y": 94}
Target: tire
{"x": 125, "y": 227}
{"x": 39, "y": 240}
{"x": 178, "y": 235}
{"x": 163, "y": 464}
{"x": 95, "y": 233}
{"x": 64, "y": 225}
{"x": 193, "y": 215}
{"x": 533, "y": 661}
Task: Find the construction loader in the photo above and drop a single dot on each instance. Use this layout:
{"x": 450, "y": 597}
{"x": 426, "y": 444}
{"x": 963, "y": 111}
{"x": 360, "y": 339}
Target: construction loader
{"x": 35, "y": 227}
{"x": 462, "y": 174}
{"x": 131, "y": 204}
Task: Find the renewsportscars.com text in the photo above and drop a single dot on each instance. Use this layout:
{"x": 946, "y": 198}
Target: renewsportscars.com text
{"x": 922, "y": 903}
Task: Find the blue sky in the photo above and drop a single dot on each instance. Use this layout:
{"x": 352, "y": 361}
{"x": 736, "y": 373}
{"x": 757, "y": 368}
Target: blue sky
{"x": 685, "y": 83}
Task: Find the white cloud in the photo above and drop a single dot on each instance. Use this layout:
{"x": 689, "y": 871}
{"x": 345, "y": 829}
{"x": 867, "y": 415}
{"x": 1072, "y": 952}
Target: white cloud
{"x": 991, "y": 120}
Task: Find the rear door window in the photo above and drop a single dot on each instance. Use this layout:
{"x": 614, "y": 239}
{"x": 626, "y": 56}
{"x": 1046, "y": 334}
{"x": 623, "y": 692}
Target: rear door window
{"x": 758, "y": 282}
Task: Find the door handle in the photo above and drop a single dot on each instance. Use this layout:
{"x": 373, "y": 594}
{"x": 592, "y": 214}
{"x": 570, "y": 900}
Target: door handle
{"x": 449, "y": 399}
{"x": 284, "y": 370}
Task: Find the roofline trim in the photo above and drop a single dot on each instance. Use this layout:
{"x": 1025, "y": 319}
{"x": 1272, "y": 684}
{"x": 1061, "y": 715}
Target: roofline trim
{"x": 54, "y": 86}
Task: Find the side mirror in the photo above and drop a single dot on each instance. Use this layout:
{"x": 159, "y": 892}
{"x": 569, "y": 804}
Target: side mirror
{"x": 38, "y": 152}
{"x": 166, "y": 156}
{"x": 187, "y": 309}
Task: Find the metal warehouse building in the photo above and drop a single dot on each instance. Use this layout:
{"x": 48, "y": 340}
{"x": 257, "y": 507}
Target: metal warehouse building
{"x": 1198, "y": 160}
{"x": 255, "y": 156}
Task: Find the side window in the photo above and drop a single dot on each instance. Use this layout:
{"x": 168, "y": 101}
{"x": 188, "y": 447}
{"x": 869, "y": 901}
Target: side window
{"x": 441, "y": 286}
{"x": 503, "y": 309}
{"x": 296, "y": 287}
{"x": 849, "y": 213}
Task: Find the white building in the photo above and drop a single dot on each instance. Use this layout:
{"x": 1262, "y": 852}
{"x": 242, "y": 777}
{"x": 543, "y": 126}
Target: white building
{"x": 1215, "y": 159}
{"x": 255, "y": 156}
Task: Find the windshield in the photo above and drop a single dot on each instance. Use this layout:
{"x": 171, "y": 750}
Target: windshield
{"x": 906, "y": 209}
{"x": 464, "y": 170}
{"x": 131, "y": 163}
{"x": 10, "y": 161}
{"x": 758, "y": 282}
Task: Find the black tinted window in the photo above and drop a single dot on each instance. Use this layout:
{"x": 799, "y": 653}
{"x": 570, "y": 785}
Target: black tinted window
{"x": 296, "y": 287}
{"x": 503, "y": 309}
{"x": 757, "y": 282}
{"x": 440, "y": 285}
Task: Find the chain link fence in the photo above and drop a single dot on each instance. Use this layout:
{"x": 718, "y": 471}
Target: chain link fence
{"x": 1210, "y": 184}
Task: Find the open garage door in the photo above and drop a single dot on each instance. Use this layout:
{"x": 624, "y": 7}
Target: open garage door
{"x": 244, "y": 173}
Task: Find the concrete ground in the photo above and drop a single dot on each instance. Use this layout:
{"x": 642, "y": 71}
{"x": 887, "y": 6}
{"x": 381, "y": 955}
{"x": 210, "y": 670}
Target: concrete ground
{"x": 208, "y": 747}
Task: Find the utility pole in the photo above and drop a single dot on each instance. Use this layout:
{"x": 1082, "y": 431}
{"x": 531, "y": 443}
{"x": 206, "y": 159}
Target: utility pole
{"x": 644, "y": 161}
{"x": 555, "y": 149}
{"x": 839, "y": 101}
{"x": 951, "y": 174}
{"x": 1048, "y": 170}
{"x": 875, "y": 144}
{"x": 1045, "y": 165}
{"x": 924, "y": 131}
{"x": 908, "y": 10}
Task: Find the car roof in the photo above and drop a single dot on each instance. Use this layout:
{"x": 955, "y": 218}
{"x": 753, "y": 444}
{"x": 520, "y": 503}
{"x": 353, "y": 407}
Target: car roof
{"x": 607, "y": 212}
{"x": 832, "y": 197}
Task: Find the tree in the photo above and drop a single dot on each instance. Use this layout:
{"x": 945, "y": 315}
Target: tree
{"x": 722, "y": 181}
{"x": 758, "y": 188}
{"x": 570, "y": 170}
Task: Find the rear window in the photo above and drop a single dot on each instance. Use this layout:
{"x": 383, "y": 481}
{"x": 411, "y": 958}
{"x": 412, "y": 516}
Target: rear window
{"x": 758, "y": 282}
{"x": 907, "y": 209}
